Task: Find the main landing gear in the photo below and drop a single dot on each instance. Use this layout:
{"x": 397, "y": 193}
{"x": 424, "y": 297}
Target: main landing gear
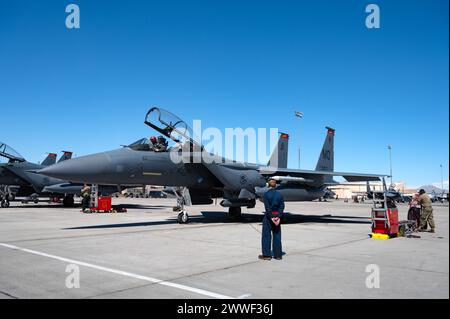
{"x": 235, "y": 212}
{"x": 68, "y": 201}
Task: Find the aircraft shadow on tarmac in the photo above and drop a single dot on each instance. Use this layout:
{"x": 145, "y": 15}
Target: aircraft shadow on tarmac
{"x": 48, "y": 205}
{"x": 139, "y": 206}
{"x": 211, "y": 217}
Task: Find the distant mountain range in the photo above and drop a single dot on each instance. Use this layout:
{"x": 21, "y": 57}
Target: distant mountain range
{"x": 431, "y": 188}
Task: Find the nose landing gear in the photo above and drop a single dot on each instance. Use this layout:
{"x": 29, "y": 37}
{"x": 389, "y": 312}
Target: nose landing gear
{"x": 183, "y": 217}
{"x": 183, "y": 197}
{"x": 4, "y": 203}
{"x": 5, "y": 196}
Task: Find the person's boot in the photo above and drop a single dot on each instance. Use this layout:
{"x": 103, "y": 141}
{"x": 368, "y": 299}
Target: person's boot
{"x": 262, "y": 257}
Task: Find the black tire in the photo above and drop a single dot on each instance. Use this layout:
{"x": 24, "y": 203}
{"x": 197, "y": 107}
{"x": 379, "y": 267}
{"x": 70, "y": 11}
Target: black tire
{"x": 68, "y": 201}
{"x": 183, "y": 218}
{"x": 11, "y": 197}
{"x": 235, "y": 212}
{"x": 36, "y": 200}
{"x": 5, "y": 204}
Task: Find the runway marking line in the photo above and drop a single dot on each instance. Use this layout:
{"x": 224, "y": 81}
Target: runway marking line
{"x": 122, "y": 273}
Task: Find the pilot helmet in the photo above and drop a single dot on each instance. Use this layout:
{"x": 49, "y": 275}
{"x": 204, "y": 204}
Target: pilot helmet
{"x": 153, "y": 139}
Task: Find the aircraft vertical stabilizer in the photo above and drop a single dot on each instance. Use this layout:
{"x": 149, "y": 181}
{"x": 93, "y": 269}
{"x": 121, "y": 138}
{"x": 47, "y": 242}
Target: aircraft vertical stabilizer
{"x": 326, "y": 158}
{"x": 279, "y": 156}
{"x": 66, "y": 156}
{"x": 50, "y": 160}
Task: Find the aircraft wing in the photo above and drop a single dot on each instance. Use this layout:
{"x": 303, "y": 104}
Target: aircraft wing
{"x": 316, "y": 175}
{"x": 22, "y": 174}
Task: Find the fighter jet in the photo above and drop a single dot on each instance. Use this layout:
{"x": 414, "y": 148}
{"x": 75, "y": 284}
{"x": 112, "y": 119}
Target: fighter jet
{"x": 10, "y": 184}
{"x": 390, "y": 193}
{"x": 18, "y": 178}
{"x": 436, "y": 197}
{"x": 239, "y": 184}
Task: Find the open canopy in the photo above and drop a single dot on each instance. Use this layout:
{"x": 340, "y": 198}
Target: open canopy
{"x": 10, "y": 153}
{"x": 170, "y": 125}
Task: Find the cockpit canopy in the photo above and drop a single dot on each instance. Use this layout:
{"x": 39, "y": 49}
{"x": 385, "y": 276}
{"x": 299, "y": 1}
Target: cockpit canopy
{"x": 10, "y": 153}
{"x": 170, "y": 125}
{"x": 140, "y": 145}
{"x": 144, "y": 144}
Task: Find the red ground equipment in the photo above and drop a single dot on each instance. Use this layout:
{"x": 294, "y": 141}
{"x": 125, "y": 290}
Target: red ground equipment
{"x": 384, "y": 216}
{"x": 385, "y": 221}
{"x": 102, "y": 204}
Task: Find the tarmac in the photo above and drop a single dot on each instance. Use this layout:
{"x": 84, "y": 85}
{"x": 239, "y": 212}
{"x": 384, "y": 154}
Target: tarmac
{"x": 47, "y": 251}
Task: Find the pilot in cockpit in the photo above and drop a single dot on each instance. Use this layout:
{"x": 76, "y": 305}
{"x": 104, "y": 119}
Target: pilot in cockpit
{"x": 161, "y": 145}
{"x": 153, "y": 142}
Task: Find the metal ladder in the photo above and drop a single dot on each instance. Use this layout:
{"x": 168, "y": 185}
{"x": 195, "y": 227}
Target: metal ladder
{"x": 380, "y": 204}
{"x": 94, "y": 195}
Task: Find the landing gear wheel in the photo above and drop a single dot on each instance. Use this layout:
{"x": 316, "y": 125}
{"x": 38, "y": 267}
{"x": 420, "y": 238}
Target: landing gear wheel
{"x": 36, "y": 200}
{"x": 68, "y": 201}
{"x": 235, "y": 212}
{"x": 183, "y": 217}
{"x": 10, "y": 197}
{"x": 5, "y": 204}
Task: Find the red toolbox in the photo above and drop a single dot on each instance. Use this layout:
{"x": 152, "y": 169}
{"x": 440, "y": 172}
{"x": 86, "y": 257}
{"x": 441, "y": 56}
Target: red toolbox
{"x": 104, "y": 204}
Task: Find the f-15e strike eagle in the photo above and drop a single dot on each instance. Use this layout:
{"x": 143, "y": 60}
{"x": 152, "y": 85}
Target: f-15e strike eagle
{"x": 238, "y": 183}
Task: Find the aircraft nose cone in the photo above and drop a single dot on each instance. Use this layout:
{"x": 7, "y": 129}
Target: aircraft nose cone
{"x": 83, "y": 169}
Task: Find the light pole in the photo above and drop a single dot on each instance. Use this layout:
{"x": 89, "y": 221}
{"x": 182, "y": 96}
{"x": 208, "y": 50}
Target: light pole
{"x": 298, "y": 115}
{"x": 442, "y": 180}
{"x": 390, "y": 162}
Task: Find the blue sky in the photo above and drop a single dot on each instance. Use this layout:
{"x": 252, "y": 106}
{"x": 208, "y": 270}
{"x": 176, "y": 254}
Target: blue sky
{"x": 232, "y": 64}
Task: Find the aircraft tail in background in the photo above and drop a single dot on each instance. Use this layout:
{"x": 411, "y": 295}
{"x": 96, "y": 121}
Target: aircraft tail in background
{"x": 66, "y": 156}
{"x": 279, "y": 156}
{"x": 326, "y": 158}
{"x": 50, "y": 160}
